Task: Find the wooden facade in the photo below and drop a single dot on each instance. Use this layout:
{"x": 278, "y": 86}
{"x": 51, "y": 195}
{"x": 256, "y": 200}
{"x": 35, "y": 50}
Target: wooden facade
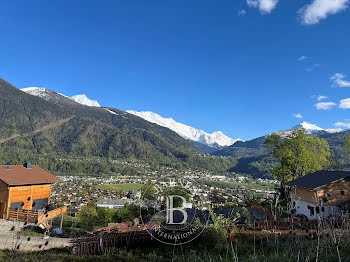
{"x": 23, "y": 197}
{"x": 304, "y": 195}
{"x": 333, "y": 194}
{"x": 25, "y": 193}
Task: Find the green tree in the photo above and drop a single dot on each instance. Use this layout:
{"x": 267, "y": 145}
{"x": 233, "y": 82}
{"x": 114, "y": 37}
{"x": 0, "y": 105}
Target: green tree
{"x": 148, "y": 191}
{"x": 88, "y": 217}
{"x": 127, "y": 213}
{"x": 178, "y": 191}
{"x": 347, "y": 145}
{"x": 298, "y": 154}
{"x": 230, "y": 205}
{"x": 104, "y": 216}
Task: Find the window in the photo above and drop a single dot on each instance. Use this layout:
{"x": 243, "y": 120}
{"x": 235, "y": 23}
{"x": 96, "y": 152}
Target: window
{"x": 312, "y": 211}
{"x": 317, "y": 210}
{"x": 39, "y": 203}
{"x": 293, "y": 203}
{"x": 342, "y": 192}
{"x": 18, "y": 205}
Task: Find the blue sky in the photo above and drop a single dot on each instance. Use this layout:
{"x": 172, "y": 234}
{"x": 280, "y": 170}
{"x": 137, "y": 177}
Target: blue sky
{"x": 215, "y": 65}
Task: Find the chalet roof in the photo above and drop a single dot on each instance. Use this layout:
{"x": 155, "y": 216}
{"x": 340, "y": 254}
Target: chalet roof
{"x": 19, "y": 175}
{"x": 318, "y": 179}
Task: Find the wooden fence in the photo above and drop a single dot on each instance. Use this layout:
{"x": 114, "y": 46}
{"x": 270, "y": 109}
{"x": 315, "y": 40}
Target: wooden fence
{"x": 33, "y": 216}
{"x": 51, "y": 214}
{"x": 103, "y": 243}
{"x": 30, "y": 216}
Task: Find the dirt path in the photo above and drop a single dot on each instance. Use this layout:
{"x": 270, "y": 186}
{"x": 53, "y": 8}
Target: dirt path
{"x": 58, "y": 123}
{"x": 9, "y": 138}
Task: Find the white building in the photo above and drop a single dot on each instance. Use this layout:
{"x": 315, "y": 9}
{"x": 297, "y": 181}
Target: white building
{"x": 113, "y": 203}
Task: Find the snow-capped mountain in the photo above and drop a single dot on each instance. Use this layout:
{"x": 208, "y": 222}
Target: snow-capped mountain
{"x": 311, "y": 128}
{"x": 36, "y": 91}
{"x": 308, "y": 127}
{"x": 216, "y": 139}
{"x": 45, "y": 93}
{"x": 82, "y": 99}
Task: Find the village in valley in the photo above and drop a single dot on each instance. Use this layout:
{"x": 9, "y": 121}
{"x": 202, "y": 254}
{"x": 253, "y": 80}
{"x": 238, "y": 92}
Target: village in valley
{"x": 76, "y": 192}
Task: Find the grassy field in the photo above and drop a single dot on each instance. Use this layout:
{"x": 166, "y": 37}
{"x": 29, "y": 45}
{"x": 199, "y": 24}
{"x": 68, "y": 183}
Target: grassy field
{"x": 121, "y": 187}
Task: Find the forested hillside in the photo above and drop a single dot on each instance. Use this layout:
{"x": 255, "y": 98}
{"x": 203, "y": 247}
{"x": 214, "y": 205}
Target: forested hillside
{"x": 253, "y": 157}
{"x": 31, "y": 129}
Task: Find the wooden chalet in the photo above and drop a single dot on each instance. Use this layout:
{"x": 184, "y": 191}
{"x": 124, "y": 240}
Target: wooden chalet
{"x": 320, "y": 194}
{"x": 25, "y": 194}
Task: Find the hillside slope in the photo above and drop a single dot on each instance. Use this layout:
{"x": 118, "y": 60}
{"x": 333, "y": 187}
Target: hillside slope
{"x": 253, "y": 156}
{"x": 88, "y": 133}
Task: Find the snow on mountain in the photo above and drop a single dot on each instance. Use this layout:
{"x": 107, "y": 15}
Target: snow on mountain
{"x": 333, "y": 130}
{"x": 36, "y": 91}
{"x": 308, "y": 127}
{"x": 84, "y": 100}
{"x": 110, "y": 111}
{"x": 311, "y": 128}
{"x": 44, "y": 92}
{"x": 214, "y": 139}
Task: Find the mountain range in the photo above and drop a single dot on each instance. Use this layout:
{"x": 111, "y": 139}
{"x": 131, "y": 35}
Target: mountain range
{"x": 77, "y": 134}
{"x": 215, "y": 140}
{"x": 254, "y": 158}
{"x": 211, "y": 142}
{"x": 200, "y": 139}
{"x": 65, "y": 136}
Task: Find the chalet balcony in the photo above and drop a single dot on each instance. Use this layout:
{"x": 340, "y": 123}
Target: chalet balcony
{"x": 34, "y": 216}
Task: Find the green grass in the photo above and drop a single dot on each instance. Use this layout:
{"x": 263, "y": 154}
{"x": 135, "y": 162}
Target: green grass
{"x": 29, "y": 233}
{"x": 121, "y": 187}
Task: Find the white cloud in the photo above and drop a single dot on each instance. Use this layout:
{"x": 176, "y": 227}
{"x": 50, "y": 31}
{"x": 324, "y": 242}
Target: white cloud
{"x": 345, "y": 103}
{"x": 298, "y": 115}
{"x": 265, "y": 6}
{"x": 342, "y": 124}
{"x": 302, "y": 58}
{"x": 312, "y": 67}
{"x": 320, "y": 9}
{"x": 325, "y": 105}
{"x": 242, "y": 12}
{"x": 319, "y": 98}
{"x": 338, "y": 80}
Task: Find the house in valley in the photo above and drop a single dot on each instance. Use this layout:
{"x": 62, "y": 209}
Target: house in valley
{"x": 25, "y": 194}
{"x": 320, "y": 194}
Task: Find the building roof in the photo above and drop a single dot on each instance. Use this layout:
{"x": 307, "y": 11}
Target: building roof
{"x": 318, "y": 179}
{"x": 19, "y": 175}
{"x": 113, "y": 202}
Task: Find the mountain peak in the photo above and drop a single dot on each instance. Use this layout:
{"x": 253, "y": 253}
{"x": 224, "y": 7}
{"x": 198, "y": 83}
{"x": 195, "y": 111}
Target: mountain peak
{"x": 216, "y": 139}
{"x": 308, "y": 126}
{"x": 311, "y": 128}
{"x": 47, "y": 93}
{"x": 84, "y": 100}
{"x": 37, "y": 91}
